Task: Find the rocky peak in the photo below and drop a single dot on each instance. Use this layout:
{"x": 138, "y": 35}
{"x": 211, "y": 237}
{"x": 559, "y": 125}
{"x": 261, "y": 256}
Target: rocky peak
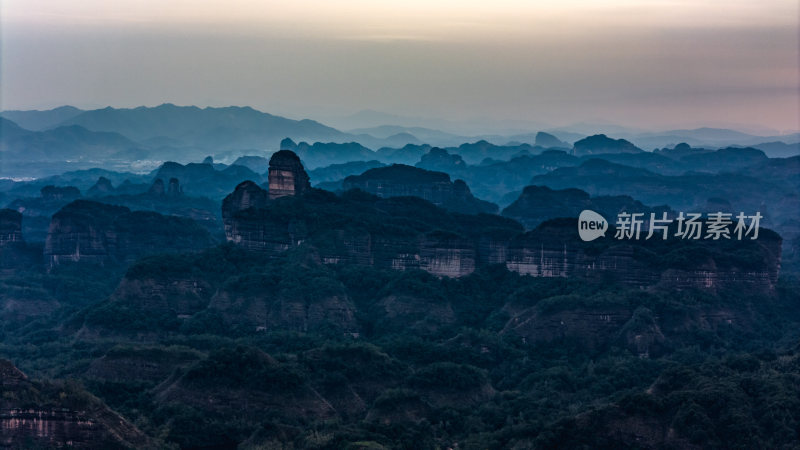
{"x": 288, "y": 144}
{"x": 246, "y": 195}
{"x": 157, "y": 188}
{"x": 174, "y": 189}
{"x": 103, "y": 186}
{"x": 287, "y": 175}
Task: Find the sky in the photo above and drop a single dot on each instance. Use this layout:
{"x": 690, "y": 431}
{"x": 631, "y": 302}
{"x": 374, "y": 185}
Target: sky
{"x": 650, "y": 64}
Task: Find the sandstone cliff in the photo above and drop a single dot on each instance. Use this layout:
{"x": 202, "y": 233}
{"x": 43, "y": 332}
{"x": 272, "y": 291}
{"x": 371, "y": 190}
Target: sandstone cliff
{"x": 286, "y": 175}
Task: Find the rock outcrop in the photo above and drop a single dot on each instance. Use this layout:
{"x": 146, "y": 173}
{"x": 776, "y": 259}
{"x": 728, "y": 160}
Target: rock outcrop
{"x": 286, "y": 175}
{"x": 88, "y": 231}
{"x": 399, "y": 180}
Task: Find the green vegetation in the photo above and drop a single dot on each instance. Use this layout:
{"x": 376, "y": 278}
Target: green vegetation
{"x": 409, "y": 360}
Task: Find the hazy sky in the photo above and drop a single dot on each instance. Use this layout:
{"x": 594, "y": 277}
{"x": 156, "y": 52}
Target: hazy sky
{"x": 651, "y": 63}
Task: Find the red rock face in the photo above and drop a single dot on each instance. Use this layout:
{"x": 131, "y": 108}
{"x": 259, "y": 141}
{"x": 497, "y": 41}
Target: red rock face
{"x": 281, "y": 183}
{"x": 287, "y": 175}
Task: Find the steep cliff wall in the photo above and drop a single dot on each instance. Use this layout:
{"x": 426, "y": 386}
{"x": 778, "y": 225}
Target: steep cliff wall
{"x": 286, "y": 175}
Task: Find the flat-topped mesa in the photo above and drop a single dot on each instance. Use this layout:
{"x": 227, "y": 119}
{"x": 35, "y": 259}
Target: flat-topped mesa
{"x": 287, "y": 175}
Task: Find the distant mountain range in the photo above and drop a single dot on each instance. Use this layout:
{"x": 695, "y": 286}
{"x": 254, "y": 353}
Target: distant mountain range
{"x": 37, "y": 143}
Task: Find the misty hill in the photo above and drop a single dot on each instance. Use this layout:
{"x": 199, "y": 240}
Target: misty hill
{"x": 203, "y": 180}
{"x": 41, "y": 120}
{"x": 400, "y": 180}
{"x": 408, "y": 154}
{"x": 10, "y": 130}
{"x": 537, "y": 204}
{"x": 778, "y": 149}
{"x": 548, "y": 140}
{"x": 326, "y": 153}
{"x": 64, "y": 142}
{"x": 162, "y": 196}
{"x": 703, "y": 137}
{"x": 439, "y": 159}
{"x": 600, "y": 143}
{"x": 684, "y": 158}
{"x": 711, "y": 134}
{"x": 427, "y": 135}
{"x": 774, "y": 198}
{"x": 208, "y": 128}
{"x": 337, "y": 172}
{"x": 41, "y": 153}
{"x": 257, "y": 164}
{"x": 655, "y": 162}
{"x": 493, "y": 179}
{"x": 474, "y": 153}
{"x": 725, "y": 159}
{"x": 81, "y": 179}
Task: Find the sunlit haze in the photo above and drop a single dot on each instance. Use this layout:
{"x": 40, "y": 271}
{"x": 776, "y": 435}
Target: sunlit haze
{"x": 652, "y": 64}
